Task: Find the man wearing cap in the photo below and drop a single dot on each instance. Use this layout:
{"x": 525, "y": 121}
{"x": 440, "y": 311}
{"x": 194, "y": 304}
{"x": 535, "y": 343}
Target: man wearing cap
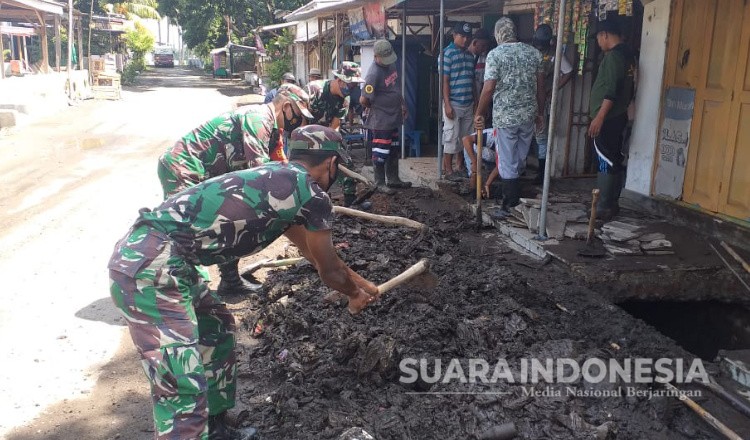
{"x": 382, "y": 96}
{"x": 458, "y": 99}
{"x": 183, "y": 332}
{"x": 514, "y": 82}
{"x": 287, "y": 78}
{"x": 314, "y": 75}
{"x": 480, "y": 45}
{"x": 329, "y": 104}
{"x": 611, "y": 94}
{"x": 543, "y": 41}
{"x": 229, "y": 142}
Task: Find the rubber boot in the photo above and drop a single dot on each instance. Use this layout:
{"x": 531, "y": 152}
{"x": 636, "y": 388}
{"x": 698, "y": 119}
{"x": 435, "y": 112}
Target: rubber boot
{"x": 380, "y": 179}
{"x": 349, "y": 199}
{"x": 539, "y": 179}
{"x": 394, "y": 181}
{"x": 218, "y": 429}
{"x": 511, "y": 193}
{"x": 232, "y": 283}
{"x": 610, "y": 185}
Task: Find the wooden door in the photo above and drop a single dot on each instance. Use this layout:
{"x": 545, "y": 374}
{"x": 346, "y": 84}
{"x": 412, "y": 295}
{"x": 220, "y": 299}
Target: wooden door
{"x": 734, "y": 195}
{"x": 710, "y": 54}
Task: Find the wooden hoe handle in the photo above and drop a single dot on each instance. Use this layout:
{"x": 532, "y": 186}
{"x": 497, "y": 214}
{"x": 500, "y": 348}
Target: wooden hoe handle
{"x": 417, "y": 269}
{"x": 385, "y": 219}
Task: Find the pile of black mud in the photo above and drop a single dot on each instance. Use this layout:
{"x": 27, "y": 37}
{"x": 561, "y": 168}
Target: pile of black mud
{"x": 317, "y": 371}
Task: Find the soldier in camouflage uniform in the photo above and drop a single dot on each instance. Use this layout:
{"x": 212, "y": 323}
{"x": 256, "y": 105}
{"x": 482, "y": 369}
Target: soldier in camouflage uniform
{"x": 183, "y": 332}
{"x": 230, "y": 142}
{"x": 329, "y": 104}
{"x": 514, "y": 81}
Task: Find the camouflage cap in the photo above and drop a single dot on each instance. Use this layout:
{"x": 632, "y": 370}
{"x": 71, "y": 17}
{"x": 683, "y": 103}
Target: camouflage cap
{"x": 350, "y": 72}
{"x": 312, "y": 138}
{"x": 297, "y": 95}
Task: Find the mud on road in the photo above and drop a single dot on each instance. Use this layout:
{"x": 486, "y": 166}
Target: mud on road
{"x": 309, "y": 370}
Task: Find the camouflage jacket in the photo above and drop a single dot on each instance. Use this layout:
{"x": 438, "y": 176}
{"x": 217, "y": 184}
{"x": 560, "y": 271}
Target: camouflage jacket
{"x": 230, "y": 216}
{"x": 514, "y": 67}
{"x": 229, "y": 142}
{"x": 324, "y": 105}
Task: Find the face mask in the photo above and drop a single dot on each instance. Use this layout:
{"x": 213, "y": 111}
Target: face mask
{"x": 332, "y": 178}
{"x": 345, "y": 89}
{"x": 291, "y": 123}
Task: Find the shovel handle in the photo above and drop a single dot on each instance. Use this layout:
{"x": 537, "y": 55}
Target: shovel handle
{"x": 592, "y": 218}
{"x": 417, "y": 269}
{"x": 385, "y": 219}
{"x": 354, "y": 175}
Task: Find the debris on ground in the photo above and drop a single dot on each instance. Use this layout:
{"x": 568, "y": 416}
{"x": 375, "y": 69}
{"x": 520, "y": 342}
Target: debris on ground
{"x": 315, "y": 371}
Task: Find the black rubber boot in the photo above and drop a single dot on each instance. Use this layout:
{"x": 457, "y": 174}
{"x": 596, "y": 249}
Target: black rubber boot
{"x": 394, "y": 181}
{"x": 379, "y": 169}
{"x": 539, "y": 179}
{"x": 610, "y": 185}
{"x": 349, "y": 199}
{"x": 218, "y": 429}
{"x": 232, "y": 283}
{"x": 511, "y": 193}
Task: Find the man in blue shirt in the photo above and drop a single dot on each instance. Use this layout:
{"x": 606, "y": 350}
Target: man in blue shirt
{"x": 458, "y": 99}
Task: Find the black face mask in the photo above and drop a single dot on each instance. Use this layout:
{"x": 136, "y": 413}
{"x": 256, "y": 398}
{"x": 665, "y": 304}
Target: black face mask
{"x": 291, "y": 123}
{"x": 332, "y": 178}
{"x": 345, "y": 89}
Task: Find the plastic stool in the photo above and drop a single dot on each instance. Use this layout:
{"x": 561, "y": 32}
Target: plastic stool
{"x": 415, "y": 136}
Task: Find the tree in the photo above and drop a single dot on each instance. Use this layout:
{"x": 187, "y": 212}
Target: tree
{"x": 139, "y": 41}
{"x": 139, "y": 8}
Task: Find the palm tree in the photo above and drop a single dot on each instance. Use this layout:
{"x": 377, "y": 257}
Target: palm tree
{"x": 139, "y": 8}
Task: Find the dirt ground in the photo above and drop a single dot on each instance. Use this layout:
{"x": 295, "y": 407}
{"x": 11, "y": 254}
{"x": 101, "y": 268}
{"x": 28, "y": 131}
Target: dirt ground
{"x": 314, "y": 371}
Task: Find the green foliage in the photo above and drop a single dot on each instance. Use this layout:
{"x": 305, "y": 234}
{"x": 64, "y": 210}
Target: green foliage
{"x": 130, "y": 73}
{"x": 139, "y": 41}
{"x": 203, "y": 21}
{"x": 280, "y": 55}
{"x": 6, "y": 54}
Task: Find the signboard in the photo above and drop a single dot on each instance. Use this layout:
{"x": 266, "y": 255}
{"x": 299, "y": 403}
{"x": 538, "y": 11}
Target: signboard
{"x": 357, "y": 24}
{"x": 375, "y": 19}
{"x": 674, "y": 139}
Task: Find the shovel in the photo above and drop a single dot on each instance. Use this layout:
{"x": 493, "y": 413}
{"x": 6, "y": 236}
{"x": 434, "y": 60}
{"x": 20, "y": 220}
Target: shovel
{"x": 591, "y": 250}
{"x": 478, "y": 166}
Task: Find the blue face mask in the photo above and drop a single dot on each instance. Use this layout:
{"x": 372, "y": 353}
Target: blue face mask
{"x": 345, "y": 89}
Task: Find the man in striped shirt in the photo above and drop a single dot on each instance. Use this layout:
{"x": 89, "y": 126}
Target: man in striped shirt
{"x": 458, "y": 100}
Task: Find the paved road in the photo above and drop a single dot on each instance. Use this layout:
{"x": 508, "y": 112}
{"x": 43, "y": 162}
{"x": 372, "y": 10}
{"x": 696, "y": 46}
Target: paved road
{"x": 70, "y": 185}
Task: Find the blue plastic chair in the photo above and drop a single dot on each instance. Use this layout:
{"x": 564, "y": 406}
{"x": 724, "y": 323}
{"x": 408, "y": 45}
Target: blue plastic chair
{"x": 415, "y": 142}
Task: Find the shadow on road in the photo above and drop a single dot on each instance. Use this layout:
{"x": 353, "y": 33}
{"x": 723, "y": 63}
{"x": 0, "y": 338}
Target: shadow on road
{"x": 118, "y": 407}
{"x": 101, "y": 310}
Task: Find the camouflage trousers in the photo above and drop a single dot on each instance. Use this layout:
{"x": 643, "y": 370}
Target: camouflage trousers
{"x": 183, "y": 332}
{"x": 348, "y": 185}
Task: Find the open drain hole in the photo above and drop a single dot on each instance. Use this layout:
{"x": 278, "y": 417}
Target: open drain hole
{"x": 702, "y": 327}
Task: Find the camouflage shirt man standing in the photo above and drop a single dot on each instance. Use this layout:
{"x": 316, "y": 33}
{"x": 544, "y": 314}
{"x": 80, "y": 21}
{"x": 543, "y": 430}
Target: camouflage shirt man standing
{"x": 514, "y": 81}
{"x": 329, "y": 103}
{"x": 230, "y": 142}
{"x": 183, "y": 332}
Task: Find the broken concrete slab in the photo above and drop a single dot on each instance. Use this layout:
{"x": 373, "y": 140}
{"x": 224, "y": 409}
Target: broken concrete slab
{"x": 555, "y": 225}
{"x": 533, "y": 219}
{"x": 652, "y": 236}
{"x": 618, "y": 225}
{"x": 576, "y": 231}
{"x": 656, "y": 245}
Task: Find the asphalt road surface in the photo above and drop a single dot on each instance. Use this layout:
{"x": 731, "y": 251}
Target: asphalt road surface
{"x": 70, "y": 186}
